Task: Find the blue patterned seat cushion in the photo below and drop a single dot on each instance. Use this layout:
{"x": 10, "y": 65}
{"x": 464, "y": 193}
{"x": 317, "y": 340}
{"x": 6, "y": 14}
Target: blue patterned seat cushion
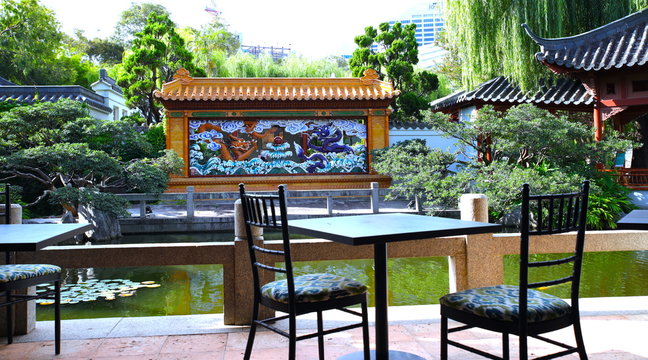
{"x": 13, "y": 272}
{"x": 502, "y": 303}
{"x": 314, "y": 288}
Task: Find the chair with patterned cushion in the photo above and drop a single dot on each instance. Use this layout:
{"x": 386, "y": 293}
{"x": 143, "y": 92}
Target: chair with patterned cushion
{"x": 15, "y": 277}
{"x": 294, "y": 295}
{"x": 523, "y": 309}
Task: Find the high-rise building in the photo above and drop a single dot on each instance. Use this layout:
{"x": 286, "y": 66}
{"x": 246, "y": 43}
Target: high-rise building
{"x": 429, "y": 18}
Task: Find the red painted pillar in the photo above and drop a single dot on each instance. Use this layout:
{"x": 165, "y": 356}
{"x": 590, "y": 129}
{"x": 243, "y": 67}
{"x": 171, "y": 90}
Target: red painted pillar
{"x": 598, "y": 120}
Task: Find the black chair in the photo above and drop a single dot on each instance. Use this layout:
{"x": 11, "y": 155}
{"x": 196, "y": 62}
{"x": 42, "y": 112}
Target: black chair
{"x": 294, "y": 295}
{"x": 530, "y": 312}
{"x": 21, "y": 276}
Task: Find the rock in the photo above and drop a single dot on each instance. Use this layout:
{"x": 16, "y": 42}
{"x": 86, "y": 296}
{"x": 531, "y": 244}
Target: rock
{"x": 514, "y": 218}
{"x": 105, "y": 227}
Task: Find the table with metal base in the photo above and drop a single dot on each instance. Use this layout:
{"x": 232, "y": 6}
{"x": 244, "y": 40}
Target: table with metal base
{"x": 378, "y": 230}
{"x": 33, "y": 237}
{"x": 634, "y": 220}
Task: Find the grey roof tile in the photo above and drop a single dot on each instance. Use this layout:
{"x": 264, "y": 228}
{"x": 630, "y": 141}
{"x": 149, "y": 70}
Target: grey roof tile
{"x": 621, "y": 43}
{"x": 53, "y": 93}
{"x": 499, "y": 90}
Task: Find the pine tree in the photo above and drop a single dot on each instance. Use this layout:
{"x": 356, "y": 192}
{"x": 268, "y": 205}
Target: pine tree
{"x": 157, "y": 53}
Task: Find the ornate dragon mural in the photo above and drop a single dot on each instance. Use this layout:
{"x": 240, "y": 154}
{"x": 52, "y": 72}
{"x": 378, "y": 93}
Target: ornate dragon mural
{"x": 265, "y": 147}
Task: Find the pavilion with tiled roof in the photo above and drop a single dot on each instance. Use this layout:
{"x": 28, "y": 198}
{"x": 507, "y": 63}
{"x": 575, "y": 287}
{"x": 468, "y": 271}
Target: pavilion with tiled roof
{"x": 611, "y": 63}
{"x": 263, "y": 131}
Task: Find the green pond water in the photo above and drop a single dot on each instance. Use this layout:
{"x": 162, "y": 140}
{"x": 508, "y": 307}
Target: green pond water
{"x": 198, "y": 289}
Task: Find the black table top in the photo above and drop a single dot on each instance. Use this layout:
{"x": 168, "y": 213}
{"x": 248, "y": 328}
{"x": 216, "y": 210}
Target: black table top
{"x": 370, "y": 229}
{"x": 32, "y": 237}
{"x": 635, "y": 219}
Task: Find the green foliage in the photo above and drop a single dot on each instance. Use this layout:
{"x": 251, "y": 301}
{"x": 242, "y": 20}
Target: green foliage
{"x": 120, "y": 139}
{"x": 110, "y": 204}
{"x": 209, "y": 39}
{"x": 394, "y": 61}
{"x": 32, "y": 48}
{"x": 157, "y": 53}
{"x": 244, "y": 64}
{"x": 488, "y": 38}
{"x": 529, "y": 136}
{"x": 418, "y": 170}
{"x": 607, "y": 203}
{"x": 156, "y": 137}
{"x": 8, "y": 104}
{"x": 43, "y": 155}
{"x": 529, "y": 145}
{"x": 133, "y": 20}
{"x": 99, "y": 51}
{"x": 29, "y": 41}
{"x": 39, "y": 124}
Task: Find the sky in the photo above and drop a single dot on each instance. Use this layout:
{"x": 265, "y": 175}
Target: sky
{"x": 314, "y": 28}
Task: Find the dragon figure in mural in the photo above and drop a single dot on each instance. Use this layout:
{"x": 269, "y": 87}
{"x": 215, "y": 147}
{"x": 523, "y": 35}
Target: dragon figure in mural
{"x": 238, "y": 150}
{"x": 329, "y": 140}
{"x": 318, "y": 160}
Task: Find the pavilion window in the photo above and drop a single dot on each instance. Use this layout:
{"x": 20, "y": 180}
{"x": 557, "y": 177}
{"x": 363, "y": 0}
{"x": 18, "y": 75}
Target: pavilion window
{"x": 640, "y": 85}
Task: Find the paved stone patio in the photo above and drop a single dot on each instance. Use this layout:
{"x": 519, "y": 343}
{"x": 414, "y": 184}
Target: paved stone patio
{"x": 614, "y": 328}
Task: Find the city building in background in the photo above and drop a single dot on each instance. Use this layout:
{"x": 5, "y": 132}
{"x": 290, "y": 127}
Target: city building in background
{"x": 429, "y": 18}
{"x": 277, "y": 53}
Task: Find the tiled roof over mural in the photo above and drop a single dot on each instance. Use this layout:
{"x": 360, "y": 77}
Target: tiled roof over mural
{"x": 500, "y": 90}
{"x": 186, "y": 88}
{"x": 621, "y": 43}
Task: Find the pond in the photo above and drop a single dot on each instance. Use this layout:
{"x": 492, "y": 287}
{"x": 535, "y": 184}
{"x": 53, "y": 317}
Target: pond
{"x": 198, "y": 289}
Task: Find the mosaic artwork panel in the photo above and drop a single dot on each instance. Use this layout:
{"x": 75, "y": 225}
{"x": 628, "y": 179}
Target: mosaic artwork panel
{"x": 274, "y": 147}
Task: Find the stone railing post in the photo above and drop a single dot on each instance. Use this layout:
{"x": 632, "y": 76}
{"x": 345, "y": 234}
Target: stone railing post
{"x": 190, "y": 202}
{"x": 142, "y": 207}
{"x": 238, "y": 303}
{"x": 483, "y": 263}
{"x": 375, "y": 197}
{"x": 474, "y": 207}
{"x": 329, "y": 205}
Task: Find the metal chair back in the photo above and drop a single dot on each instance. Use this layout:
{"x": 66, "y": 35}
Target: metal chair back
{"x": 268, "y": 211}
{"x": 546, "y": 215}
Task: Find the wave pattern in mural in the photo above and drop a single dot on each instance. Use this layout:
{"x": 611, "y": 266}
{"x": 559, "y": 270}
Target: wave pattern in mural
{"x": 264, "y": 147}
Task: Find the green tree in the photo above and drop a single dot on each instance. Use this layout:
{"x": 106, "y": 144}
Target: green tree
{"x": 394, "y": 60}
{"x": 133, "y": 20}
{"x": 119, "y": 139}
{"x": 157, "y": 53}
{"x": 490, "y": 41}
{"x": 39, "y": 124}
{"x": 29, "y": 42}
{"x": 56, "y": 152}
{"x": 210, "y": 38}
{"x": 551, "y": 153}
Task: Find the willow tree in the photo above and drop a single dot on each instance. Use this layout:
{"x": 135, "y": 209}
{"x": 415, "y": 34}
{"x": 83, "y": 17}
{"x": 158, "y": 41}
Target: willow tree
{"x": 489, "y": 40}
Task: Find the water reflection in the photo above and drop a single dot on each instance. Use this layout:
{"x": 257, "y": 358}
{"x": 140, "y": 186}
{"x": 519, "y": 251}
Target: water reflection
{"x": 198, "y": 289}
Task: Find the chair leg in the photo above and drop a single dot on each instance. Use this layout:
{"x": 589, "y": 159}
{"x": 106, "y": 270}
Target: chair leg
{"x": 292, "y": 337}
{"x": 9, "y": 319}
{"x": 320, "y": 336}
{"x": 523, "y": 348}
{"x": 365, "y": 332}
{"x": 579, "y": 338}
{"x": 505, "y": 346}
{"x": 444, "y": 338}
{"x": 253, "y": 326}
{"x": 57, "y": 317}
